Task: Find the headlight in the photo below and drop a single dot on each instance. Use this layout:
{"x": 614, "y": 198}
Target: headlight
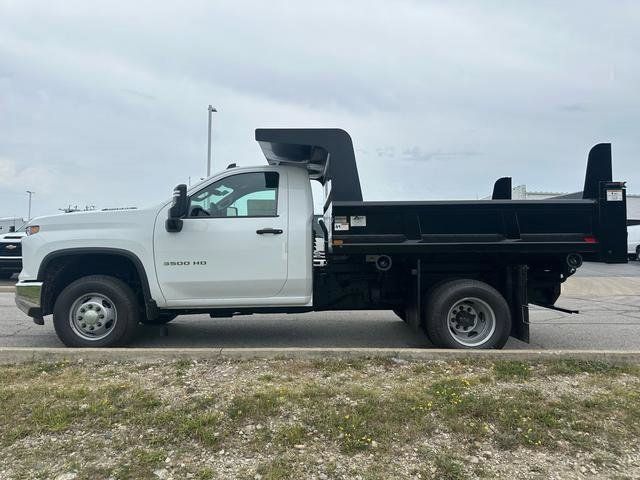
{"x": 32, "y": 229}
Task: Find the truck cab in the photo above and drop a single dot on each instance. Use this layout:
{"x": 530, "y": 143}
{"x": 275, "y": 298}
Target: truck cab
{"x": 245, "y": 241}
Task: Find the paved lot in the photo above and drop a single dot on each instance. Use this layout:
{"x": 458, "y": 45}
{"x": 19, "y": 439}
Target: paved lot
{"x": 608, "y": 297}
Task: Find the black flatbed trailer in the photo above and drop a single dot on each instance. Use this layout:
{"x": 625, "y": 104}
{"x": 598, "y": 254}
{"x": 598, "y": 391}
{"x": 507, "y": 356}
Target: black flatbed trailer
{"x": 487, "y": 258}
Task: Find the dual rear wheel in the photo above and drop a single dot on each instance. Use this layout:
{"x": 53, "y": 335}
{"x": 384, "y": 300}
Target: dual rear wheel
{"x": 465, "y": 314}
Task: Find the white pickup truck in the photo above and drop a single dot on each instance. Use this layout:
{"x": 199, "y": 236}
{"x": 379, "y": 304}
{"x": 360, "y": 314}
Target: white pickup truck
{"x": 11, "y": 252}
{"x": 242, "y": 242}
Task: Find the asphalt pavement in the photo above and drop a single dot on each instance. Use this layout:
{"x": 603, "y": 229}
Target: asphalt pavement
{"x": 608, "y": 297}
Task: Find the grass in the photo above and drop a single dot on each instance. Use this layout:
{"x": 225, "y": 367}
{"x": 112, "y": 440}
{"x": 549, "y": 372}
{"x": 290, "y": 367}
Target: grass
{"x": 512, "y": 370}
{"x": 448, "y": 467}
{"x": 275, "y": 420}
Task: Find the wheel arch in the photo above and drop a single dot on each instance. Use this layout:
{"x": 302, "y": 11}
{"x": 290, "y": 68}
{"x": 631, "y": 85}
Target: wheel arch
{"x": 61, "y": 267}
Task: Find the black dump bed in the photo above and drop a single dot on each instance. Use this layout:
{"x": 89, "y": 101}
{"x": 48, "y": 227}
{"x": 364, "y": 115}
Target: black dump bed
{"x": 516, "y": 228}
{"x": 523, "y": 231}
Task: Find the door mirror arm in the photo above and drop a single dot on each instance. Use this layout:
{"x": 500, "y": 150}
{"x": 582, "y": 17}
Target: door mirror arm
{"x": 179, "y": 209}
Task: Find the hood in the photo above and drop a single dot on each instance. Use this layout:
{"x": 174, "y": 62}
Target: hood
{"x": 95, "y": 219}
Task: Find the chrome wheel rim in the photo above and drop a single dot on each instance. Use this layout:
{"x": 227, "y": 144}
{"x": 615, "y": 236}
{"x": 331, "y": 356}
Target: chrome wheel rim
{"x": 93, "y": 316}
{"x": 471, "y": 321}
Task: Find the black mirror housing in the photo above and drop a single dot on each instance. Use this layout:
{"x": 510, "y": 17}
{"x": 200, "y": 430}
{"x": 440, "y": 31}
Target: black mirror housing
{"x": 179, "y": 209}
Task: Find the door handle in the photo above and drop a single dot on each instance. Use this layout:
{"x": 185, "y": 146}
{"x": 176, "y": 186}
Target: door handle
{"x": 275, "y": 231}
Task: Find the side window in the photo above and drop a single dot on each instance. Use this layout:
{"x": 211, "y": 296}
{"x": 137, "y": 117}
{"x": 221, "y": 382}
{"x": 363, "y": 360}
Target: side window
{"x": 252, "y": 194}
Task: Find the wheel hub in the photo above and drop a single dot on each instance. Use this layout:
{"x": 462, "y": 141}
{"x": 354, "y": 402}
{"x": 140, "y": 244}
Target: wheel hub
{"x": 464, "y": 319}
{"x": 471, "y": 321}
{"x": 90, "y": 317}
{"x": 93, "y": 316}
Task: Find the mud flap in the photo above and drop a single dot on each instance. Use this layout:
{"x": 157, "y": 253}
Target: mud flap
{"x": 516, "y": 290}
{"x": 414, "y": 306}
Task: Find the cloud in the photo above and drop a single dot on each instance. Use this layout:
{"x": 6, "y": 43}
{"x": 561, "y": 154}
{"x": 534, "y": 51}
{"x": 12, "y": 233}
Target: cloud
{"x": 416, "y": 154}
{"x": 105, "y": 104}
{"x": 15, "y": 179}
{"x": 573, "y": 108}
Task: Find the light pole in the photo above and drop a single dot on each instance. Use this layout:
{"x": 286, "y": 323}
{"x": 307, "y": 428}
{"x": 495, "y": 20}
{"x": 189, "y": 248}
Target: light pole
{"x": 29, "y": 192}
{"x": 211, "y": 110}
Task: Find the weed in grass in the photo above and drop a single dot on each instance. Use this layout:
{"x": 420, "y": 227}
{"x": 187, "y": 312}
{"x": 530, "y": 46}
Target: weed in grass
{"x": 205, "y": 474}
{"x": 333, "y": 366}
{"x": 511, "y": 370}
{"x": 258, "y": 405}
{"x": 449, "y": 392}
{"x": 290, "y": 435}
{"x": 200, "y": 426}
{"x": 448, "y": 467}
{"x": 138, "y": 464}
{"x": 185, "y": 423}
{"x": 182, "y": 367}
{"x": 574, "y": 367}
{"x": 355, "y": 430}
{"x": 52, "y": 418}
{"x": 278, "y": 469}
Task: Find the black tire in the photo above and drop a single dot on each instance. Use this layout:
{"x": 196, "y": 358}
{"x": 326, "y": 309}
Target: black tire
{"x": 123, "y": 298}
{"x": 161, "y": 319}
{"x": 638, "y": 253}
{"x": 447, "y": 295}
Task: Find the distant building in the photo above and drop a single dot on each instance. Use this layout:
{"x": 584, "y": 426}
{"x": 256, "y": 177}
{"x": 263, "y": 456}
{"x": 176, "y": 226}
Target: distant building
{"x": 521, "y": 193}
{"x": 7, "y": 222}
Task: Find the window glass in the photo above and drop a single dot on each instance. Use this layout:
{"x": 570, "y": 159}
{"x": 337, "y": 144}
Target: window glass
{"x": 244, "y": 195}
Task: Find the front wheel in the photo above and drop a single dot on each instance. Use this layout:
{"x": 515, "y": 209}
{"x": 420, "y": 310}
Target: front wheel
{"x": 96, "y": 311}
{"x": 467, "y": 314}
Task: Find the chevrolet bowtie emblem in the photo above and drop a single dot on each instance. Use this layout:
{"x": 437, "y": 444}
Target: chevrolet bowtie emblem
{"x": 11, "y": 247}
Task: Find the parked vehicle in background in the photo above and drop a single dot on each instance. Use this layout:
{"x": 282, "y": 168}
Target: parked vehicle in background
{"x": 11, "y": 224}
{"x": 11, "y": 252}
{"x": 633, "y": 240}
{"x": 243, "y": 242}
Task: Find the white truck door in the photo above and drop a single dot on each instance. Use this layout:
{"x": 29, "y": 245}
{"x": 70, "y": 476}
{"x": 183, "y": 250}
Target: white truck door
{"x": 232, "y": 249}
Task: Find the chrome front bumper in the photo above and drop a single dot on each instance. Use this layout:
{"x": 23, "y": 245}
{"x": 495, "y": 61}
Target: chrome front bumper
{"x": 28, "y": 296}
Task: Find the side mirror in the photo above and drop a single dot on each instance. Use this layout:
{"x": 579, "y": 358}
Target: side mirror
{"x": 232, "y": 211}
{"x": 179, "y": 209}
{"x": 12, "y": 228}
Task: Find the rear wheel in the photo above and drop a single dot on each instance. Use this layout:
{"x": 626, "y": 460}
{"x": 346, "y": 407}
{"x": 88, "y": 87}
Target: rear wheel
{"x": 638, "y": 253}
{"x": 96, "y": 311}
{"x": 467, "y": 314}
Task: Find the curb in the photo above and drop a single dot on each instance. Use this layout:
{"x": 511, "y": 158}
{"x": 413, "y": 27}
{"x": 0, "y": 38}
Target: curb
{"x": 9, "y": 355}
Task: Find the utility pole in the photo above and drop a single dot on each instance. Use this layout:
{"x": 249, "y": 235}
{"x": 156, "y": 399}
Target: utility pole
{"x": 211, "y": 110}
{"x": 30, "y": 193}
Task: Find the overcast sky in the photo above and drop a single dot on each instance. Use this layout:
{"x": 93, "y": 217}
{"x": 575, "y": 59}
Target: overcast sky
{"x": 105, "y": 102}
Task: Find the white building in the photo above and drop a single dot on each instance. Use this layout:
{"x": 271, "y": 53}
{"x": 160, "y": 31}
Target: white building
{"x": 7, "y": 222}
{"x": 521, "y": 193}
